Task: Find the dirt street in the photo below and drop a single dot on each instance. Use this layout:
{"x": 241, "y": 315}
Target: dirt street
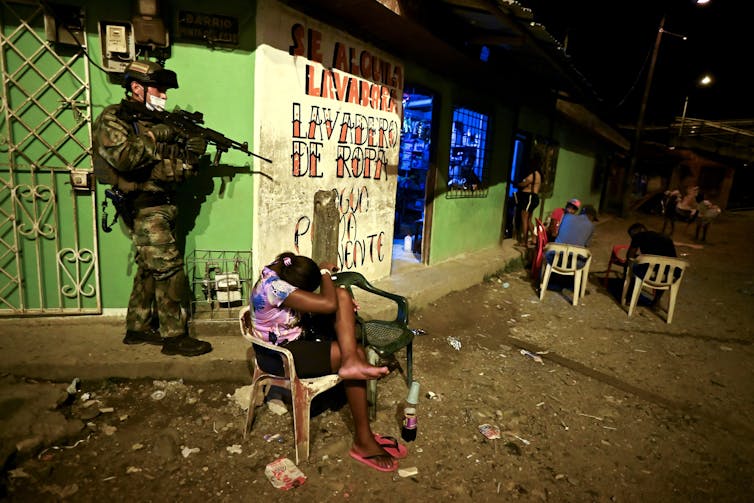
{"x": 602, "y": 408}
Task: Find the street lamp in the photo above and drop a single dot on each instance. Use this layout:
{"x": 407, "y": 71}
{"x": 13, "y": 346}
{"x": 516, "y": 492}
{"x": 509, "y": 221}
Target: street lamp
{"x": 705, "y": 80}
{"x": 643, "y": 107}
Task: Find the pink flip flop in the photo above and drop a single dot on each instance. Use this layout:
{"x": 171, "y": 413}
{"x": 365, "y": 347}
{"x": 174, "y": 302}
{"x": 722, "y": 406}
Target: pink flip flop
{"x": 370, "y": 462}
{"x": 391, "y": 446}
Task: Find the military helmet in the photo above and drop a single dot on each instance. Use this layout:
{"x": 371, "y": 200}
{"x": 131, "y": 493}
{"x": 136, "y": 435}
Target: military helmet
{"x": 149, "y": 73}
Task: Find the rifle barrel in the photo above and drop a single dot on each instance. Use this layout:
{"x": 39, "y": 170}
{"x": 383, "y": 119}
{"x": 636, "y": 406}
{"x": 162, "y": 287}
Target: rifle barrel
{"x": 188, "y": 124}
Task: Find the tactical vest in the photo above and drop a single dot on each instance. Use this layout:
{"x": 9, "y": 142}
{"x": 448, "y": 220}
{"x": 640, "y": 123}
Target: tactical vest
{"x": 169, "y": 167}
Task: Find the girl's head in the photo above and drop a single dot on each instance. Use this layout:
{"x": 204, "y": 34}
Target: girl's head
{"x": 299, "y": 271}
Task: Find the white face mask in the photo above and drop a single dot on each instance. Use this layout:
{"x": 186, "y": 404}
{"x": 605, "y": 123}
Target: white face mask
{"x": 155, "y": 103}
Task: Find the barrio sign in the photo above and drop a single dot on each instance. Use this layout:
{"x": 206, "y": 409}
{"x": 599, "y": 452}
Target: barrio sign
{"x": 210, "y": 28}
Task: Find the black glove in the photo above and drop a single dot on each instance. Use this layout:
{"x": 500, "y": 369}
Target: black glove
{"x": 196, "y": 145}
{"x": 163, "y": 133}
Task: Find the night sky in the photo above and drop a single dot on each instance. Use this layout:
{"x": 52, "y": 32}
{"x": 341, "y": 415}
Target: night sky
{"x": 610, "y": 42}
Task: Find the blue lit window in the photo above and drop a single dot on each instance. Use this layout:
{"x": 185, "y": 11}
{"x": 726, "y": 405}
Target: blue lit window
{"x": 467, "y": 171}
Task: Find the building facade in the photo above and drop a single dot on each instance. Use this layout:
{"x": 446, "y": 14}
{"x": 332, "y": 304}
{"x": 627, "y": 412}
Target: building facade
{"x": 411, "y": 147}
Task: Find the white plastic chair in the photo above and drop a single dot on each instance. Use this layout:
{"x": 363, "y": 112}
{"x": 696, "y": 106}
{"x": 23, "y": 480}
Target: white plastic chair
{"x": 661, "y": 275}
{"x": 303, "y": 390}
{"x": 565, "y": 262}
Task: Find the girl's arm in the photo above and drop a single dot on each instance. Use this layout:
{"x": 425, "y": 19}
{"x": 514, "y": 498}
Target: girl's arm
{"x": 324, "y": 302}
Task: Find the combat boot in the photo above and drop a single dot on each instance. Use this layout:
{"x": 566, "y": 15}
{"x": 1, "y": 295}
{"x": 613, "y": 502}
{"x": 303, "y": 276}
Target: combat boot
{"x": 150, "y": 336}
{"x": 185, "y": 346}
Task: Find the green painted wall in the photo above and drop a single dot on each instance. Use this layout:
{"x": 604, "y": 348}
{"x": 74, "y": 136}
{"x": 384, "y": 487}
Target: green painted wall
{"x": 467, "y": 224}
{"x": 460, "y": 225}
{"x": 576, "y": 174}
{"x": 579, "y": 171}
{"x": 216, "y": 206}
{"x": 573, "y": 178}
{"x": 534, "y": 120}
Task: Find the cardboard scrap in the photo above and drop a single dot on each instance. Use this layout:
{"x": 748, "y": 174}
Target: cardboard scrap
{"x": 490, "y": 431}
{"x": 283, "y": 474}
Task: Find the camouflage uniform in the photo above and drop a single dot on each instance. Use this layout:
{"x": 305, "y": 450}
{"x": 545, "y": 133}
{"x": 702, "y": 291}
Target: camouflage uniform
{"x": 149, "y": 178}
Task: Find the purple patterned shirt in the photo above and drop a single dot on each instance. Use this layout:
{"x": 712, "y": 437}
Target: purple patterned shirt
{"x": 271, "y": 321}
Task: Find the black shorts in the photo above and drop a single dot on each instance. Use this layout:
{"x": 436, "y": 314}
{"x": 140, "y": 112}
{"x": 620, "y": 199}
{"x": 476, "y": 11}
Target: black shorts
{"x": 311, "y": 358}
{"x": 526, "y": 201}
{"x": 311, "y": 351}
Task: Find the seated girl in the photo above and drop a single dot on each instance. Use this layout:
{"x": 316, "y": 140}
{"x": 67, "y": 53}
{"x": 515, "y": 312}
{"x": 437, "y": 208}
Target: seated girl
{"x": 282, "y": 296}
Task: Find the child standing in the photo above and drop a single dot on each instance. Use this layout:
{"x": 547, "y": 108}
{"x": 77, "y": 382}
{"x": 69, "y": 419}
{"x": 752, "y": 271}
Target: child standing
{"x": 282, "y": 295}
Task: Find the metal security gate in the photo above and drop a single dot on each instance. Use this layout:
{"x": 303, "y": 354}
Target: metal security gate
{"x": 48, "y": 231}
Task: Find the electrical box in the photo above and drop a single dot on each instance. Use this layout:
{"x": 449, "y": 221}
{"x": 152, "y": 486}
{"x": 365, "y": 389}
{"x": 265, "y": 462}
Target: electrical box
{"x": 81, "y": 179}
{"x": 117, "y": 44}
{"x": 64, "y": 24}
{"x": 151, "y": 32}
{"x": 149, "y": 28}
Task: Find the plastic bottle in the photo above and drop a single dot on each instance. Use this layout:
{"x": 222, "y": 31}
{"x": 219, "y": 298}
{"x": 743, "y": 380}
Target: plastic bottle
{"x": 407, "y": 243}
{"x": 408, "y": 431}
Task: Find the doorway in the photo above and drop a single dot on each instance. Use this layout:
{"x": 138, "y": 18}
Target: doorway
{"x": 520, "y": 154}
{"x": 413, "y": 169}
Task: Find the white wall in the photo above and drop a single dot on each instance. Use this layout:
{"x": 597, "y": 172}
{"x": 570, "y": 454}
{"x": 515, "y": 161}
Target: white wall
{"x": 328, "y": 111}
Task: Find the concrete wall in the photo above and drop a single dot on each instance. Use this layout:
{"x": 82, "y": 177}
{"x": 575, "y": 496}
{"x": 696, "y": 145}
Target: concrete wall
{"x": 329, "y": 109}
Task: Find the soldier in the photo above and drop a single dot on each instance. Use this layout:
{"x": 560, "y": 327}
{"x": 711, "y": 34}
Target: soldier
{"x": 145, "y": 161}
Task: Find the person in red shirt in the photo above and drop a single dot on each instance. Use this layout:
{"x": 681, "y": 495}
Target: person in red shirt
{"x": 572, "y": 206}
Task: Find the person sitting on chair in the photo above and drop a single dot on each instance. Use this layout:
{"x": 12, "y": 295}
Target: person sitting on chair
{"x": 576, "y": 230}
{"x": 280, "y": 299}
{"x": 650, "y": 243}
{"x": 556, "y": 217}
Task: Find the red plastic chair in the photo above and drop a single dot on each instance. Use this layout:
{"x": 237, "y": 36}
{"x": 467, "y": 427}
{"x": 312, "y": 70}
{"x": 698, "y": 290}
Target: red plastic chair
{"x": 536, "y": 264}
{"x": 617, "y": 257}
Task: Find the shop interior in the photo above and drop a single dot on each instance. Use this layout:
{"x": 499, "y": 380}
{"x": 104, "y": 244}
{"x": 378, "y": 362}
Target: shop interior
{"x": 467, "y": 150}
{"x": 412, "y": 175}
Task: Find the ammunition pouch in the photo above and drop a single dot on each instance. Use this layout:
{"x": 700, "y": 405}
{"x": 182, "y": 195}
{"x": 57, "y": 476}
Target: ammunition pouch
{"x": 172, "y": 168}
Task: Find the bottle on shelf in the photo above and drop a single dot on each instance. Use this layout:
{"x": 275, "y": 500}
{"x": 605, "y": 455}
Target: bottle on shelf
{"x": 408, "y": 431}
{"x": 407, "y": 243}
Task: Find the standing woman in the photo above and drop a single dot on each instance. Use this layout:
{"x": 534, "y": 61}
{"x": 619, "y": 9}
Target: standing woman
{"x": 527, "y": 200}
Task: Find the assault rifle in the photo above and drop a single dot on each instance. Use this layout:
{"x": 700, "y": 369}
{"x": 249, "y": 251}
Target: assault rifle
{"x": 187, "y": 124}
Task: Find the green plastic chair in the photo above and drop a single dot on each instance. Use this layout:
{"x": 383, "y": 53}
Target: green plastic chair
{"x": 381, "y": 338}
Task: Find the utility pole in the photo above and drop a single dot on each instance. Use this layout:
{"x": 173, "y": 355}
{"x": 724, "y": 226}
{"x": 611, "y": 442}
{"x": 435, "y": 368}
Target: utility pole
{"x": 628, "y": 179}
